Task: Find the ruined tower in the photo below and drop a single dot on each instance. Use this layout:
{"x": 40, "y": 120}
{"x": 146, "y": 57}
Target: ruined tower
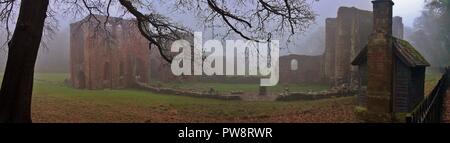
{"x": 346, "y": 35}
{"x": 109, "y": 54}
{"x": 397, "y": 27}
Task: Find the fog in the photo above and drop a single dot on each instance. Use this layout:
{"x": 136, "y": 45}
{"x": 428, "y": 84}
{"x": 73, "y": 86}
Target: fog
{"x": 55, "y": 58}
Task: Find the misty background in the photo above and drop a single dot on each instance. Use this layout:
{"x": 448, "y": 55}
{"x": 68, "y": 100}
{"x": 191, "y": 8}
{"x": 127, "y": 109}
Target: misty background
{"x": 55, "y": 57}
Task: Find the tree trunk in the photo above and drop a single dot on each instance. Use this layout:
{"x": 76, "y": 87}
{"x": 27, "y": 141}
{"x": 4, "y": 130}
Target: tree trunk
{"x": 17, "y": 86}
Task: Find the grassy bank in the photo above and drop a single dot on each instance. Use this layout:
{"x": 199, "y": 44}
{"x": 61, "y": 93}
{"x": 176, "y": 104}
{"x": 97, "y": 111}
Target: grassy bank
{"x": 431, "y": 80}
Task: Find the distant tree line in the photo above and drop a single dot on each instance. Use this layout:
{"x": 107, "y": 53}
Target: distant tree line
{"x": 432, "y": 32}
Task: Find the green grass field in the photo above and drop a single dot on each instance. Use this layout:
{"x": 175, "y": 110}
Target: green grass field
{"x": 53, "y": 101}
{"x": 431, "y": 80}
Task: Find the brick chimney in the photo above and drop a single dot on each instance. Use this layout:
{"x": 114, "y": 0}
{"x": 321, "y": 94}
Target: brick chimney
{"x": 380, "y": 64}
{"x": 382, "y": 11}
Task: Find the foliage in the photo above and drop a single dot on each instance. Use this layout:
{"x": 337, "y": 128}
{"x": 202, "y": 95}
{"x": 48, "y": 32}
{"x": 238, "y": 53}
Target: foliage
{"x": 433, "y": 31}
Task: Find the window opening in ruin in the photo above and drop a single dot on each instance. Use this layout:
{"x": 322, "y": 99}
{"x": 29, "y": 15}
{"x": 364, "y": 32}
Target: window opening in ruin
{"x": 107, "y": 72}
{"x": 121, "y": 70}
{"x": 139, "y": 70}
{"x": 294, "y": 65}
{"x": 81, "y": 80}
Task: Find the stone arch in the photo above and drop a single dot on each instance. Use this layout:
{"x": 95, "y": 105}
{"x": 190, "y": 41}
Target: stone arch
{"x": 121, "y": 69}
{"x": 294, "y": 65}
{"x": 81, "y": 80}
{"x": 107, "y": 72}
{"x": 139, "y": 70}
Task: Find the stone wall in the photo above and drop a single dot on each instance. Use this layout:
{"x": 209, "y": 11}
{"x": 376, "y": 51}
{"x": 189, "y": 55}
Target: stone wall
{"x": 161, "y": 72}
{"x": 107, "y": 56}
{"x": 336, "y": 92}
{"x": 208, "y": 94}
{"x": 295, "y": 69}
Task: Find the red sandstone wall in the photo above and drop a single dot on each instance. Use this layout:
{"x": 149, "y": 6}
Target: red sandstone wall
{"x": 309, "y": 69}
{"x": 111, "y": 57}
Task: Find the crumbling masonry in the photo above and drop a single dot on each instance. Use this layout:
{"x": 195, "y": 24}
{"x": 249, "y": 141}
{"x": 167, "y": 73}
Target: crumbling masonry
{"x": 107, "y": 55}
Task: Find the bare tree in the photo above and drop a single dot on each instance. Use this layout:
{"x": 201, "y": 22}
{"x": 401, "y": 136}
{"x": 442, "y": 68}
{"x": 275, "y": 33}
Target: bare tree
{"x": 17, "y": 86}
{"x": 257, "y": 20}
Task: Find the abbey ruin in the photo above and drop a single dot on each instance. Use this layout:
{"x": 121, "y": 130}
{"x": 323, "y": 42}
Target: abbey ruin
{"x": 119, "y": 55}
{"x": 107, "y": 55}
{"x": 346, "y": 36}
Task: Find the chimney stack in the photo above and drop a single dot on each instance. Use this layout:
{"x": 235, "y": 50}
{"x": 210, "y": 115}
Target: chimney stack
{"x": 382, "y": 10}
{"x": 380, "y": 64}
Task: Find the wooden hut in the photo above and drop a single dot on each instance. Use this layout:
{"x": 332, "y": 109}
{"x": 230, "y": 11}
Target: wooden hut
{"x": 409, "y": 75}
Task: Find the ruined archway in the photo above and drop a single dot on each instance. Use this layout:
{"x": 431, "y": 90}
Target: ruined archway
{"x": 107, "y": 75}
{"x": 140, "y": 71}
{"x": 81, "y": 80}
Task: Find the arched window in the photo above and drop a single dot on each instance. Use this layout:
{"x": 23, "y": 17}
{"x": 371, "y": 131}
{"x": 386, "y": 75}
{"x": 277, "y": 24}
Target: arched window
{"x": 107, "y": 72}
{"x": 294, "y": 65}
{"x": 119, "y": 30}
{"x": 121, "y": 70}
{"x": 81, "y": 80}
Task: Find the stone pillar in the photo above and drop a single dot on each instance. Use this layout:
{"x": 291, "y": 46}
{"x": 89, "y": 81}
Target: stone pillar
{"x": 343, "y": 45}
{"x": 330, "y": 45}
{"x": 398, "y": 27}
{"x": 380, "y": 64}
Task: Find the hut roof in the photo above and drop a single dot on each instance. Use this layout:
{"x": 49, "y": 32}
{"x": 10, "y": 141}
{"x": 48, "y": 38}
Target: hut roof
{"x": 403, "y": 50}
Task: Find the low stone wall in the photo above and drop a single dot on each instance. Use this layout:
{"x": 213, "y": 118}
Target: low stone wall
{"x": 210, "y": 94}
{"x": 293, "y": 96}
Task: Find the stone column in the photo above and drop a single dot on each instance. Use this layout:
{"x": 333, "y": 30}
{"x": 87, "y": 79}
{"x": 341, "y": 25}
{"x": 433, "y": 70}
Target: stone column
{"x": 329, "y": 55}
{"x": 343, "y": 45}
{"x": 398, "y": 27}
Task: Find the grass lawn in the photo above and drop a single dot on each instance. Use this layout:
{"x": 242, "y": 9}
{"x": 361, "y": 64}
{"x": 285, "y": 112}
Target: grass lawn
{"x": 431, "y": 80}
{"x": 55, "y": 102}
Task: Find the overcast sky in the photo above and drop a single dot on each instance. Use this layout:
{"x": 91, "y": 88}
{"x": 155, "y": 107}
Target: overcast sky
{"x": 408, "y": 9}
